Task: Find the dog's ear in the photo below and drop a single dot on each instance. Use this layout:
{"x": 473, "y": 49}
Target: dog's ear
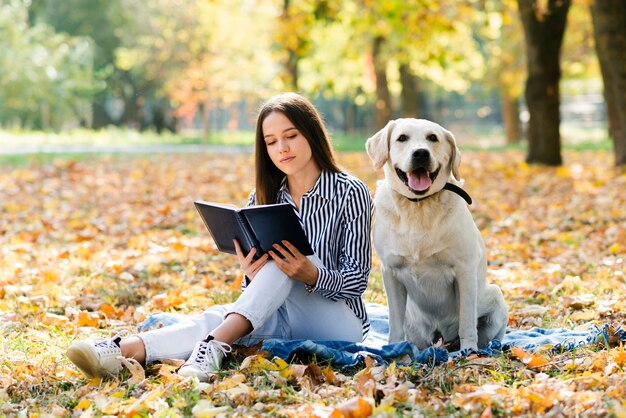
{"x": 455, "y": 155}
{"x": 378, "y": 145}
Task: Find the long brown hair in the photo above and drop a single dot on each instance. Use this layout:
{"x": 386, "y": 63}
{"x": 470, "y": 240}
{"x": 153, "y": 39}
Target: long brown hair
{"x": 301, "y": 112}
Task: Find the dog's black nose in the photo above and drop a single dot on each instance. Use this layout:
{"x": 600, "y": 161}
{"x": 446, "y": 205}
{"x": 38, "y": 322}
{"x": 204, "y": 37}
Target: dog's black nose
{"x": 421, "y": 157}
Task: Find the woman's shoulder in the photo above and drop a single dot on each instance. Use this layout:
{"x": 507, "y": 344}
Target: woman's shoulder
{"x": 352, "y": 183}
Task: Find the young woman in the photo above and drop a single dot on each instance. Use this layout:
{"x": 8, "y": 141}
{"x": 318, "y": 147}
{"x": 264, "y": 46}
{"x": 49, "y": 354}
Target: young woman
{"x": 286, "y": 294}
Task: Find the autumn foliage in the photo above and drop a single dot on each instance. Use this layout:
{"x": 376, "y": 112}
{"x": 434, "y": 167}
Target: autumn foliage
{"x": 91, "y": 247}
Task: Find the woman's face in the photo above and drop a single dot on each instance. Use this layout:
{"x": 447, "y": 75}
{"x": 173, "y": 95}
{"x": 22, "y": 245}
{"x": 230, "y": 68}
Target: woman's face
{"x": 288, "y": 149}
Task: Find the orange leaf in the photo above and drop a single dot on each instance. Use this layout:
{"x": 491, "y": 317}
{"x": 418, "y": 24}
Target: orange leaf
{"x": 236, "y": 284}
{"x": 108, "y": 310}
{"x": 160, "y": 301}
{"x": 520, "y": 353}
{"x": 355, "y": 408}
{"x": 531, "y": 360}
{"x": 329, "y": 375}
{"x": 87, "y": 319}
{"x": 47, "y": 318}
{"x": 537, "y": 361}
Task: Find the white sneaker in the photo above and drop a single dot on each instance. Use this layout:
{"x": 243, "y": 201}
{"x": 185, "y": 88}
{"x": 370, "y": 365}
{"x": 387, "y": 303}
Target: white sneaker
{"x": 205, "y": 360}
{"x": 97, "y": 359}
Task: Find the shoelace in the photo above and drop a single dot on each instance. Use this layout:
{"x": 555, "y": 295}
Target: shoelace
{"x": 109, "y": 343}
{"x": 211, "y": 347}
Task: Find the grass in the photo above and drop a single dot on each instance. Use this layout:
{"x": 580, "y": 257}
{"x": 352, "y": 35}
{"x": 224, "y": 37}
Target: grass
{"x": 43, "y": 255}
{"x": 21, "y": 141}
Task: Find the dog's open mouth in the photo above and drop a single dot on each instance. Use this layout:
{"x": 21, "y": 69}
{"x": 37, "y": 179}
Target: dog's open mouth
{"x": 418, "y": 181}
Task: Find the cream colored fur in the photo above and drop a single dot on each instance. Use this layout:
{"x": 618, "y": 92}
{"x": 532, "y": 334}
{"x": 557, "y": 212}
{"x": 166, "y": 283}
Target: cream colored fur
{"x": 432, "y": 254}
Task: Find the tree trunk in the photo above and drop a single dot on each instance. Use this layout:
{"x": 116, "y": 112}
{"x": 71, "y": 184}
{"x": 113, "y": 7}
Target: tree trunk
{"x": 410, "y": 94}
{"x": 609, "y": 26}
{"x": 510, "y": 116}
{"x": 292, "y": 70}
{"x": 544, "y": 37}
{"x": 100, "y": 117}
{"x": 383, "y": 97}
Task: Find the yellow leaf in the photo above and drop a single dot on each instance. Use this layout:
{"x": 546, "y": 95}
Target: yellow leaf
{"x": 138, "y": 374}
{"x": 50, "y": 275}
{"x": 205, "y": 409}
{"x": 84, "y": 404}
{"x": 563, "y": 172}
{"x": 254, "y": 363}
{"x": 231, "y": 382}
{"x": 329, "y": 375}
{"x": 282, "y": 367}
{"x": 620, "y": 356}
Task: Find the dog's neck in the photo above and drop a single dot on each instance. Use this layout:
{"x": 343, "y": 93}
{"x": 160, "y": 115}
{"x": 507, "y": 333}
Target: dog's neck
{"x": 448, "y": 186}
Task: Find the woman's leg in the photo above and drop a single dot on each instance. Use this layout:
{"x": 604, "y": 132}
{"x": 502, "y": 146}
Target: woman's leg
{"x": 175, "y": 341}
{"x": 101, "y": 358}
{"x": 301, "y": 315}
{"x": 257, "y": 308}
{"x": 314, "y": 317}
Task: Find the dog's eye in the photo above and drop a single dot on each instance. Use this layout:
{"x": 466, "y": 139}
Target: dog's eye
{"x": 402, "y": 138}
{"x": 432, "y": 138}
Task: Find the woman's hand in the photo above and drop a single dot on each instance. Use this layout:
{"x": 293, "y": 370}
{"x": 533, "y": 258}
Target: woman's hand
{"x": 294, "y": 264}
{"x": 248, "y": 264}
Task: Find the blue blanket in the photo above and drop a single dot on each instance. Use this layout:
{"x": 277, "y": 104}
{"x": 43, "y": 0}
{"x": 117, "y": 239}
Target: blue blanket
{"x": 343, "y": 354}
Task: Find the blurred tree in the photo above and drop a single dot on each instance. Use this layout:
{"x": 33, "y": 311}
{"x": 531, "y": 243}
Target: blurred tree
{"x": 544, "y": 26}
{"x": 609, "y": 24}
{"x": 413, "y": 40}
{"x": 578, "y": 56}
{"x": 292, "y": 35}
{"x": 500, "y": 29}
{"x": 46, "y": 78}
{"x": 432, "y": 40}
{"x": 104, "y": 22}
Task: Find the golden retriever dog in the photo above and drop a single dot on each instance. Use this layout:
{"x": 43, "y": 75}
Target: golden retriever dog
{"x": 432, "y": 254}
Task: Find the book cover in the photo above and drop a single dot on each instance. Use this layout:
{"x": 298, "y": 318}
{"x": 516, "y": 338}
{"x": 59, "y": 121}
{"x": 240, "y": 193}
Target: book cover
{"x": 253, "y": 226}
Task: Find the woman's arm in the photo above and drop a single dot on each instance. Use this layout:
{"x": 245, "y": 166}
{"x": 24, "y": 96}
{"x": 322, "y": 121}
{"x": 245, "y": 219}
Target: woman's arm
{"x": 355, "y": 257}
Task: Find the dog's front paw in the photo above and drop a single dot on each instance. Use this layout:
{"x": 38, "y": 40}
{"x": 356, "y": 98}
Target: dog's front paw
{"x": 469, "y": 344}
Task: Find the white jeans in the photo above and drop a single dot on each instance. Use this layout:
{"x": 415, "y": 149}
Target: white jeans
{"x": 275, "y": 305}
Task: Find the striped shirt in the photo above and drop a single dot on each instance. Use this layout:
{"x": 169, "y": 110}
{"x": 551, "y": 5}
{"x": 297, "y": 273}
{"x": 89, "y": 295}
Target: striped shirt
{"x": 336, "y": 215}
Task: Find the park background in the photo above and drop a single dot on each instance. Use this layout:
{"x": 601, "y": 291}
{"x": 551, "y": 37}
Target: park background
{"x": 200, "y": 69}
{"x": 116, "y": 115}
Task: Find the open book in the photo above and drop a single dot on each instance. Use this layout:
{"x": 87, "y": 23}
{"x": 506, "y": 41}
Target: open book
{"x": 258, "y": 226}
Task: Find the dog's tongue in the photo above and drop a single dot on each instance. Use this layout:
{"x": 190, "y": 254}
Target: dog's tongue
{"x": 419, "y": 180}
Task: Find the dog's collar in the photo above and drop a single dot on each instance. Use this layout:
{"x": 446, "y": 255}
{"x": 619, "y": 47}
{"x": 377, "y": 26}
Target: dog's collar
{"x": 448, "y": 186}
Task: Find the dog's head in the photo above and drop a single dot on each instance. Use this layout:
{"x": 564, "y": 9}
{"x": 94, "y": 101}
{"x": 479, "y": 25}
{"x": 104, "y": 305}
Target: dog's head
{"x": 419, "y": 156}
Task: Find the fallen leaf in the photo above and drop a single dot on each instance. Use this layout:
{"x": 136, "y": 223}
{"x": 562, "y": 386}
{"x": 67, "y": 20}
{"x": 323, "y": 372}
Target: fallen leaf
{"x": 138, "y": 374}
{"x": 356, "y": 408}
